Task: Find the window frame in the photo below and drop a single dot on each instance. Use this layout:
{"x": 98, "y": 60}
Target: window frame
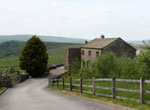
{"x": 97, "y": 53}
{"x": 89, "y": 52}
{"x": 82, "y": 52}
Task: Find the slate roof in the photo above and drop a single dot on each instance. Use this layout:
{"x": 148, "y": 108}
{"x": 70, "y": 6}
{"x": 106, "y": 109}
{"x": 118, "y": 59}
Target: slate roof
{"x": 99, "y": 43}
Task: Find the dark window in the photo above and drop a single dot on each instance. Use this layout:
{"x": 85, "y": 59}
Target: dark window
{"x": 97, "y": 53}
{"x": 89, "y": 53}
{"x": 82, "y": 52}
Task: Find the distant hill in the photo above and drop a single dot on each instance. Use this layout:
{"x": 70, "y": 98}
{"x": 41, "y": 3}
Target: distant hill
{"x": 139, "y": 42}
{"x": 14, "y": 48}
{"x": 4, "y": 38}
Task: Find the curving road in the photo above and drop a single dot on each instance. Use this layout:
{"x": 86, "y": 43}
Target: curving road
{"x": 32, "y": 95}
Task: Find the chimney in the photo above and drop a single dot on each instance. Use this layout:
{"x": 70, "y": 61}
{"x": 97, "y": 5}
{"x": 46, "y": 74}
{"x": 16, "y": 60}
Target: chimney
{"x": 102, "y": 36}
{"x": 86, "y": 42}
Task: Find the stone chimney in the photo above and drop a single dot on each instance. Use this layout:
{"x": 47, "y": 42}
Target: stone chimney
{"x": 102, "y": 37}
{"x": 86, "y": 42}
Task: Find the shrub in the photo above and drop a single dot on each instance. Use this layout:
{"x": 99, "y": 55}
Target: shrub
{"x": 104, "y": 66}
{"x": 74, "y": 68}
{"x": 127, "y": 68}
{"x": 87, "y": 70}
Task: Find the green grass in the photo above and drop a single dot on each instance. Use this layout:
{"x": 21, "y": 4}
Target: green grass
{"x": 127, "y": 103}
{"x": 11, "y": 61}
{"x": 2, "y": 89}
{"x": 56, "y": 56}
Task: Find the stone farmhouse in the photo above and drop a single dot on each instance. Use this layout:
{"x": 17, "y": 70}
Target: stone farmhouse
{"x": 91, "y": 50}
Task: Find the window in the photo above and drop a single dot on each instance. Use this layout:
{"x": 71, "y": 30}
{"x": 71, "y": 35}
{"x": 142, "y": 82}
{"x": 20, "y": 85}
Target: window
{"x": 89, "y": 53}
{"x": 97, "y": 53}
{"x": 82, "y": 52}
{"x": 83, "y": 64}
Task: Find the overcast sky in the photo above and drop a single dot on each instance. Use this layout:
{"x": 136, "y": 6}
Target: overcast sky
{"x": 129, "y": 19}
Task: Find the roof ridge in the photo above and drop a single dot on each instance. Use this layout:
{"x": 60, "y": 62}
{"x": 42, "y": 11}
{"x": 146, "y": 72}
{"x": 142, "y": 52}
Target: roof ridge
{"x": 100, "y": 43}
{"x": 92, "y": 41}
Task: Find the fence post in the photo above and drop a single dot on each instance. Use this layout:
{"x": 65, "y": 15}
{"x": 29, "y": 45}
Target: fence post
{"x": 19, "y": 76}
{"x": 63, "y": 83}
{"x": 49, "y": 81}
{"x": 70, "y": 84}
{"x": 142, "y": 90}
{"x": 113, "y": 87}
{"x": 80, "y": 85}
{"x": 52, "y": 82}
{"x": 93, "y": 83}
{"x": 57, "y": 82}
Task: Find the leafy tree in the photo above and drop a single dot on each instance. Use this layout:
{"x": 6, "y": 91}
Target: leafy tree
{"x": 34, "y": 57}
{"x": 106, "y": 65}
{"x": 127, "y": 68}
{"x": 143, "y": 63}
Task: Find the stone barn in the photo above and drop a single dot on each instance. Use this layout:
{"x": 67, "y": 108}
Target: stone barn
{"x": 91, "y": 50}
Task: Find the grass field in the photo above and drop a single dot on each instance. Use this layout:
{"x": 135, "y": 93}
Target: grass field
{"x": 9, "y": 61}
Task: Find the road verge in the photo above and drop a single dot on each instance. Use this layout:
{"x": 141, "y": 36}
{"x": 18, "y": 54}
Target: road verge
{"x": 93, "y": 99}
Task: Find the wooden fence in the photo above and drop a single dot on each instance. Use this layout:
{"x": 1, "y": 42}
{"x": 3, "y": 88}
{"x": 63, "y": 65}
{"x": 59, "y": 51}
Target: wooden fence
{"x": 113, "y": 88}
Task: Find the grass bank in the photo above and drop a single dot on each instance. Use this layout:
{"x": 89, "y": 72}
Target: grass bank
{"x": 127, "y": 103}
{"x": 2, "y": 89}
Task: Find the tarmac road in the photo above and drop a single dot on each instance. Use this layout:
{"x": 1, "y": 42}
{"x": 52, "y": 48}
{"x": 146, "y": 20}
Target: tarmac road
{"x": 32, "y": 95}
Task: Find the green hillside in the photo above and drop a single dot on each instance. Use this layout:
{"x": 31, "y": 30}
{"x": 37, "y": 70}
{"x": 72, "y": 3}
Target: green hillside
{"x": 10, "y": 50}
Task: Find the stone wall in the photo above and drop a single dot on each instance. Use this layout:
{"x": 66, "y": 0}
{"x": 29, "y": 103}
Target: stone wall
{"x": 6, "y": 82}
{"x": 86, "y": 55}
{"x": 66, "y": 63}
{"x": 120, "y": 48}
{"x": 24, "y": 77}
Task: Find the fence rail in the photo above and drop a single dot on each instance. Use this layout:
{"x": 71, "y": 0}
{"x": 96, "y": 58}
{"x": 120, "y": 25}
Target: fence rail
{"x": 70, "y": 84}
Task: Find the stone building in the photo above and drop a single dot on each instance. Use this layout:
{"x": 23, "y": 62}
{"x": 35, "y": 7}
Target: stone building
{"x": 91, "y": 50}
{"x": 71, "y": 55}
